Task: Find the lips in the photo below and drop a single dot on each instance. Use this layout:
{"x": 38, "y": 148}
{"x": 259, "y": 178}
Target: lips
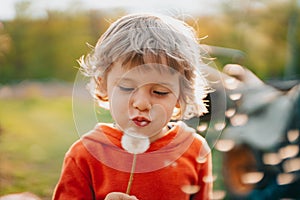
{"x": 141, "y": 121}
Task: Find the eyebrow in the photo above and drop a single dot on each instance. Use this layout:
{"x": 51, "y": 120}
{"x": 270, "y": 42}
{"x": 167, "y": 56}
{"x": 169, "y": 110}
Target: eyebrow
{"x": 118, "y": 80}
{"x": 166, "y": 84}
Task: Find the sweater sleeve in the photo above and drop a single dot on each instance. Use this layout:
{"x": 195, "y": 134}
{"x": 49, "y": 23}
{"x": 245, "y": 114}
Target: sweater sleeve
{"x": 73, "y": 183}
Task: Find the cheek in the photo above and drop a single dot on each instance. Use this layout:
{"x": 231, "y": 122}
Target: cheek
{"x": 118, "y": 104}
{"x": 171, "y": 107}
{"x": 164, "y": 109}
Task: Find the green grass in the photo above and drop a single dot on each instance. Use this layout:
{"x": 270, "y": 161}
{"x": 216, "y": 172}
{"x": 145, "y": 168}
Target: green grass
{"x": 35, "y": 134}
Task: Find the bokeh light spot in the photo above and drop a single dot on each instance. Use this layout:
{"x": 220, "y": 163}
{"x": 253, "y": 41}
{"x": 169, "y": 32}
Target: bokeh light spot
{"x": 224, "y": 145}
{"x": 190, "y": 189}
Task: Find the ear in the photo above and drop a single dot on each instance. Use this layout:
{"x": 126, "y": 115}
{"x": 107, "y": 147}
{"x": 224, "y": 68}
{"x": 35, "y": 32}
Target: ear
{"x": 177, "y": 104}
{"x": 177, "y": 111}
{"x": 101, "y": 88}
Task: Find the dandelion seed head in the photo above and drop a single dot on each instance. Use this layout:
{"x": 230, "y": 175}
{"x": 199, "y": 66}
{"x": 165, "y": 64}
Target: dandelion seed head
{"x": 134, "y": 143}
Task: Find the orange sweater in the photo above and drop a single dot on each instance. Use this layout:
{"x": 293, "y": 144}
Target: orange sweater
{"x": 177, "y": 166}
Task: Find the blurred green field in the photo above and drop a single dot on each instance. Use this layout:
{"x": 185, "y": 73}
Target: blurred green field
{"x": 35, "y": 134}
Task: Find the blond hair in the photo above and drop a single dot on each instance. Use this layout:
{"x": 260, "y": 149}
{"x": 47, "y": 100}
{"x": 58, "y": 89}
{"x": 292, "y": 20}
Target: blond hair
{"x": 138, "y": 39}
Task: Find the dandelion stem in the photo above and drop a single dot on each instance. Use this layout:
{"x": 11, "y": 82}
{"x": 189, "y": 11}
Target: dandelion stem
{"x": 131, "y": 174}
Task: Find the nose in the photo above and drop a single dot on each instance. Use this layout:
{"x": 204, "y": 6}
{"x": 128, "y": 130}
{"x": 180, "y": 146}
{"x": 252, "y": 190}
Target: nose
{"x": 141, "y": 100}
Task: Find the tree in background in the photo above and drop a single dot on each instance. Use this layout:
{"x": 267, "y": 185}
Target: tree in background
{"x": 259, "y": 29}
{"x": 47, "y": 47}
{"x": 5, "y": 44}
{"x": 293, "y": 40}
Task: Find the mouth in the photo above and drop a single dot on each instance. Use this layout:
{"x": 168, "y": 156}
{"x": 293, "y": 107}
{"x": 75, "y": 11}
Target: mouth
{"x": 141, "y": 121}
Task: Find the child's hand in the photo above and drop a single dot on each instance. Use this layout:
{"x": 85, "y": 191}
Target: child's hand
{"x": 119, "y": 196}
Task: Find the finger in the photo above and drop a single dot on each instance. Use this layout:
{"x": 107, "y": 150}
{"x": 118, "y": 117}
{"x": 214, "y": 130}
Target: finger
{"x": 119, "y": 196}
{"x": 133, "y": 198}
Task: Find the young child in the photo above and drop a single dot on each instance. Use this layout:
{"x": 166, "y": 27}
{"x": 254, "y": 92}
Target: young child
{"x": 145, "y": 67}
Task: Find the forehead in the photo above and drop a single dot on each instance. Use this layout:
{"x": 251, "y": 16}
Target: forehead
{"x": 150, "y": 71}
{"x": 144, "y": 74}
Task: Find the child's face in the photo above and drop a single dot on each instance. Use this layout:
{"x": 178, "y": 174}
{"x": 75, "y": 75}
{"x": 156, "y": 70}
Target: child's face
{"x": 142, "y": 100}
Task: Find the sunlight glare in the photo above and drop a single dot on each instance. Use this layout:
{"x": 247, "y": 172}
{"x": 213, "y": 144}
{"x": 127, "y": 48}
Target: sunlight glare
{"x": 288, "y": 151}
{"x": 283, "y": 179}
{"x": 239, "y": 120}
{"x": 190, "y": 189}
{"x": 293, "y": 135}
{"x": 231, "y": 83}
{"x": 230, "y": 112}
{"x": 291, "y": 165}
{"x": 252, "y": 177}
{"x": 235, "y": 97}
{"x": 271, "y": 158}
{"x": 218, "y": 195}
{"x": 219, "y": 126}
{"x": 224, "y": 145}
{"x": 202, "y": 127}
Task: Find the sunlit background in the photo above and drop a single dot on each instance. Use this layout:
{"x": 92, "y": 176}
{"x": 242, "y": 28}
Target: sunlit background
{"x": 40, "y": 41}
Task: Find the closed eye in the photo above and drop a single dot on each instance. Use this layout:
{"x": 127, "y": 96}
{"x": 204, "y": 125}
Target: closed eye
{"x": 161, "y": 93}
{"x": 126, "y": 89}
